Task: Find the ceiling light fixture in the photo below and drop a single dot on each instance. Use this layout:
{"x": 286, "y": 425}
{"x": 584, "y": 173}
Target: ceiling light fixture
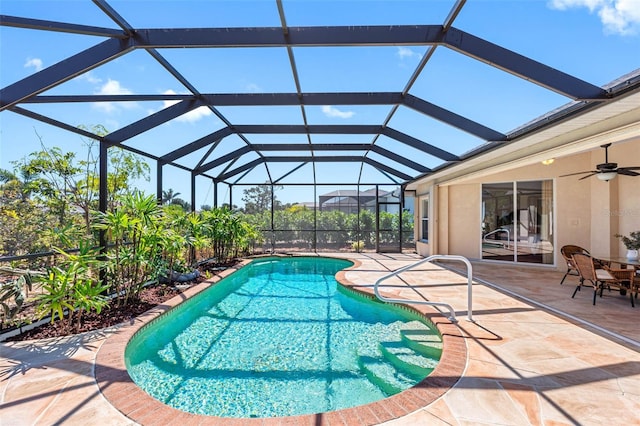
{"x": 606, "y": 176}
{"x": 548, "y": 161}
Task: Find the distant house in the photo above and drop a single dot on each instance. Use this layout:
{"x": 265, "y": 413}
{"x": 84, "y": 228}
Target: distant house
{"x": 342, "y": 203}
{"x": 309, "y": 205}
{"x": 349, "y": 200}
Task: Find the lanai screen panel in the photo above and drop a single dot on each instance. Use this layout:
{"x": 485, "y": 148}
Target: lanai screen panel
{"x": 233, "y": 92}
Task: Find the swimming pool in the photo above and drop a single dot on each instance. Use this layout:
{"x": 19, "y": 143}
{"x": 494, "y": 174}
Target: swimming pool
{"x": 280, "y": 337}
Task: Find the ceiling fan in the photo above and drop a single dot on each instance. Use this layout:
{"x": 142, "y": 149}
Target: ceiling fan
{"x": 607, "y": 171}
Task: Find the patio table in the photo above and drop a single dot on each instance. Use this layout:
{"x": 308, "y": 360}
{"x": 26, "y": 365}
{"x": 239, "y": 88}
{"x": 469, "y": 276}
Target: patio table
{"x": 622, "y": 274}
{"x": 622, "y": 261}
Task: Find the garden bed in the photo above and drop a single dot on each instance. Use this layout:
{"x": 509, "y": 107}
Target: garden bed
{"x": 150, "y": 297}
{"x": 110, "y": 316}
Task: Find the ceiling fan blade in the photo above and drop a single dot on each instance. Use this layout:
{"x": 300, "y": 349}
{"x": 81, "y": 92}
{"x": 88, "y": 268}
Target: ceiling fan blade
{"x": 625, "y": 171}
{"x": 587, "y": 176}
{"x": 629, "y": 168}
{"x": 579, "y": 173}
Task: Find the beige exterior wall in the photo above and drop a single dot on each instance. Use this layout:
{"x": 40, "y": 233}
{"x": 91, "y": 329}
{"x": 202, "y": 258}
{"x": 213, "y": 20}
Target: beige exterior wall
{"x": 464, "y": 220}
{"x": 587, "y": 212}
{"x": 573, "y": 202}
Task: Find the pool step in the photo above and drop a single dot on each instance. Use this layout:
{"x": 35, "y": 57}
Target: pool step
{"x": 384, "y": 375}
{"x": 407, "y": 360}
{"x": 423, "y": 342}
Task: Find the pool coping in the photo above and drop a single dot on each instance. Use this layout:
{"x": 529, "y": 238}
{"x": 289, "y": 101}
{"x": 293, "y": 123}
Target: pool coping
{"x": 122, "y": 393}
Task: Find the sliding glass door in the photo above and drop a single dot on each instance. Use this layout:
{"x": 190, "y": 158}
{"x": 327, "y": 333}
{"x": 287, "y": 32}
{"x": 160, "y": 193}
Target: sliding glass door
{"x": 517, "y": 221}
{"x": 498, "y": 239}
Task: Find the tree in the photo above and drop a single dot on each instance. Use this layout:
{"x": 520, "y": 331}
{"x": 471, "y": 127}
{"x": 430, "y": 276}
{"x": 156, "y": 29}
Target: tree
{"x": 124, "y": 167}
{"x": 47, "y": 189}
{"x": 64, "y": 183}
{"x": 56, "y": 175}
{"x": 258, "y": 199}
{"x": 186, "y": 206}
{"x": 169, "y": 196}
{"x": 16, "y": 185}
{"x": 21, "y": 218}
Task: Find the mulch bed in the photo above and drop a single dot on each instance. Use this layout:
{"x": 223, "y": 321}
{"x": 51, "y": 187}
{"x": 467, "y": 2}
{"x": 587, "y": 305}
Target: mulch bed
{"x": 113, "y": 315}
{"x": 109, "y": 316}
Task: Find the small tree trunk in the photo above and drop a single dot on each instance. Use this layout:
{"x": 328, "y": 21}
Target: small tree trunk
{"x": 79, "y": 323}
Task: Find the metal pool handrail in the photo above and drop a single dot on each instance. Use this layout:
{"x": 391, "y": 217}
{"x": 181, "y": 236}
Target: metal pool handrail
{"x": 495, "y": 231}
{"x": 452, "y": 316}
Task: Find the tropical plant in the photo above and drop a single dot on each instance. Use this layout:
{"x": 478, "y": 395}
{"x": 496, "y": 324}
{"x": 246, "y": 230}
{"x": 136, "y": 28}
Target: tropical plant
{"x": 13, "y": 294}
{"x": 632, "y": 242}
{"x": 73, "y": 286}
{"x": 223, "y": 225}
{"x": 229, "y": 233}
{"x": 88, "y": 295}
{"x": 56, "y": 297}
{"x": 196, "y": 233}
{"x": 66, "y": 237}
{"x": 134, "y": 231}
{"x": 247, "y": 239}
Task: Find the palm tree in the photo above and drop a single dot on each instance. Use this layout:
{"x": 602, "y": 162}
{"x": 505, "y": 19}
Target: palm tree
{"x": 169, "y": 196}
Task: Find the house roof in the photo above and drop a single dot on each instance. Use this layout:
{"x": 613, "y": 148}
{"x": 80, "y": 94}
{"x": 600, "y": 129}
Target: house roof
{"x": 615, "y": 122}
{"x": 340, "y": 201}
{"x": 354, "y": 193}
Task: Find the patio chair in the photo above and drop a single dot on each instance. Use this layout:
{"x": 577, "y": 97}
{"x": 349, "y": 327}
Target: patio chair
{"x": 628, "y": 278}
{"x": 621, "y": 279}
{"x": 567, "y": 252}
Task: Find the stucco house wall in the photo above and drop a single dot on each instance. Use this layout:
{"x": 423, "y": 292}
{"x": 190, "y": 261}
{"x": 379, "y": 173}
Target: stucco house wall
{"x": 588, "y": 212}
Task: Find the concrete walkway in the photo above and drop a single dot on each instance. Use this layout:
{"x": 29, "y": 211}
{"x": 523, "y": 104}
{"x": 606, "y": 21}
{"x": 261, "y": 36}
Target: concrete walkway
{"x": 526, "y": 365}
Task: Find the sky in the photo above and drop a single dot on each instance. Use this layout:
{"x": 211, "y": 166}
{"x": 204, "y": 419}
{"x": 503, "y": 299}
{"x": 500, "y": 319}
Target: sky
{"x": 595, "y": 40}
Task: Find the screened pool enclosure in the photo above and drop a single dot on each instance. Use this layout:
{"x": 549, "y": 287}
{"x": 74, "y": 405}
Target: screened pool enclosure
{"x": 329, "y": 217}
{"x": 312, "y": 116}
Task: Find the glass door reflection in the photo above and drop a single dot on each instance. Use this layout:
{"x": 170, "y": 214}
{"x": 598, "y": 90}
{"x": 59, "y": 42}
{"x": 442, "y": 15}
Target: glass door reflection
{"x": 517, "y": 221}
{"x": 498, "y": 233}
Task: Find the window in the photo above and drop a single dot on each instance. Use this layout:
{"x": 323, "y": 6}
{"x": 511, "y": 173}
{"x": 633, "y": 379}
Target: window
{"x": 424, "y": 214}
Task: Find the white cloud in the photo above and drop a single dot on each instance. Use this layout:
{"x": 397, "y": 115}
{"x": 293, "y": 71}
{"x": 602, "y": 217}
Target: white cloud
{"x": 253, "y": 88}
{"x": 330, "y": 111}
{"x": 34, "y": 63}
{"x": 195, "y": 115}
{"x": 190, "y": 117}
{"x": 90, "y": 77}
{"x": 617, "y": 16}
{"x": 406, "y": 53}
{"x": 113, "y": 87}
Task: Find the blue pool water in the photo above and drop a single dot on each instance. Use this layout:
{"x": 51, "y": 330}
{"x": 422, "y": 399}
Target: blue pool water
{"x": 280, "y": 337}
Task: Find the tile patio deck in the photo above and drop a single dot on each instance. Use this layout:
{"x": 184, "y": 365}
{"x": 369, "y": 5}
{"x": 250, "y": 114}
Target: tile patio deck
{"x": 526, "y": 364}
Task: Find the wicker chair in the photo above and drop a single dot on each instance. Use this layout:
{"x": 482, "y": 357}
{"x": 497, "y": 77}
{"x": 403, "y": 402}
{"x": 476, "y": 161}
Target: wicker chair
{"x": 635, "y": 284}
{"x": 600, "y": 278}
{"x": 567, "y": 252}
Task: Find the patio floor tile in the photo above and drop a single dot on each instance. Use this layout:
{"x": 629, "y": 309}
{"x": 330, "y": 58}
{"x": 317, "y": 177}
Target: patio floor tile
{"x": 560, "y": 363}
